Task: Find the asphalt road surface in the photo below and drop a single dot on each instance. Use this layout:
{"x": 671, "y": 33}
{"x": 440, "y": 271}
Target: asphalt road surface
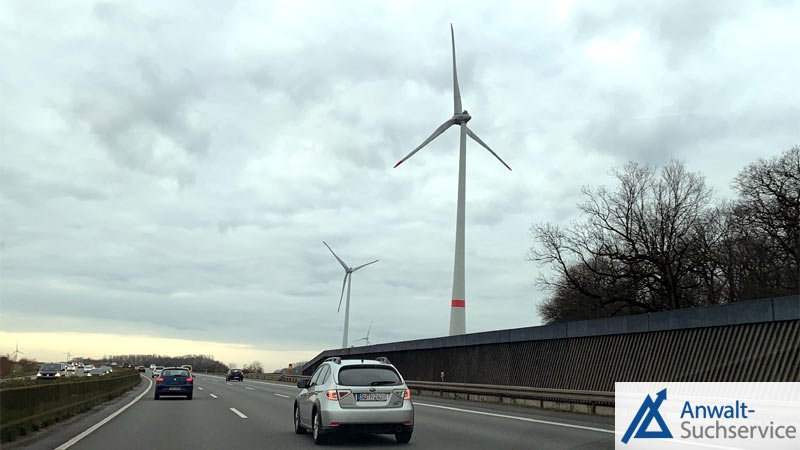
{"x": 253, "y": 414}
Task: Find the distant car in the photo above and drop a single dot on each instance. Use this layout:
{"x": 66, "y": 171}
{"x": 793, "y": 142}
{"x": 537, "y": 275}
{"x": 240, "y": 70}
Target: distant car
{"x": 174, "y": 381}
{"x": 157, "y": 371}
{"x": 152, "y": 366}
{"x": 49, "y": 371}
{"x": 70, "y": 372}
{"x": 98, "y": 372}
{"x": 358, "y": 395}
{"x": 140, "y": 368}
{"x": 88, "y": 368}
{"x": 234, "y": 374}
{"x": 187, "y": 367}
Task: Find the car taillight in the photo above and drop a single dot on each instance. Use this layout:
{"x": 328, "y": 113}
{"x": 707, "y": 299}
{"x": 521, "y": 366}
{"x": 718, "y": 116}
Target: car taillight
{"x": 189, "y": 380}
{"x": 159, "y": 379}
{"x": 407, "y": 394}
{"x": 331, "y": 395}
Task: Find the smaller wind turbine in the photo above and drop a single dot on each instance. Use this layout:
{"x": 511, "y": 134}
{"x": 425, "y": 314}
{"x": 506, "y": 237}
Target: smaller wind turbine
{"x": 365, "y": 338}
{"x": 348, "y": 272}
{"x": 17, "y": 353}
{"x": 68, "y": 355}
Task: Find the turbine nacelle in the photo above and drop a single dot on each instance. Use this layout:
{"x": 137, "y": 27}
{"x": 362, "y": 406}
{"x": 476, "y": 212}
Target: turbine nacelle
{"x": 464, "y": 117}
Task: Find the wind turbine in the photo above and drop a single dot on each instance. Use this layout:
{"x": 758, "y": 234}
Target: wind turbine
{"x": 17, "y": 352}
{"x": 348, "y": 273}
{"x": 68, "y": 355}
{"x": 365, "y": 338}
{"x": 460, "y": 117}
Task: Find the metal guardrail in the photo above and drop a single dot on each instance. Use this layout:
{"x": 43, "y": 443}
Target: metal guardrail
{"x": 523, "y": 392}
{"x": 562, "y": 399}
{"x": 281, "y": 377}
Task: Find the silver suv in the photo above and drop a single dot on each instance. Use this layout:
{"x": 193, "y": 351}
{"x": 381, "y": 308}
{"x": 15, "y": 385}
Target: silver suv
{"x": 358, "y": 395}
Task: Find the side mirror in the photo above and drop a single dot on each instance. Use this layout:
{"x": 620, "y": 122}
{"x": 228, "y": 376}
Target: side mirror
{"x": 303, "y": 384}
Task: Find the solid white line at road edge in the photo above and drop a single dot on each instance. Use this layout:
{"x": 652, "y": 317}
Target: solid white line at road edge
{"x": 524, "y": 419}
{"x": 238, "y": 413}
{"x": 281, "y": 395}
{"x": 94, "y": 427}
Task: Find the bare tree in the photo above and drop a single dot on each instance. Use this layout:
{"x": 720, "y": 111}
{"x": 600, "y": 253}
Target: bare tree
{"x": 635, "y": 247}
{"x": 769, "y": 193}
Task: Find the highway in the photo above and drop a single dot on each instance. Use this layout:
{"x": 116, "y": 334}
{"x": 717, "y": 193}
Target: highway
{"x": 255, "y": 414}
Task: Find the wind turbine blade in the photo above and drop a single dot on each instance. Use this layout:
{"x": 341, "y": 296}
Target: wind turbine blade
{"x": 456, "y": 92}
{"x": 344, "y": 282}
{"x": 336, "y": 256}
{"x": 433, "y": 136}
{"x": 364, "y": 265}
{"x": 479, "y": 141}
{"x": 368, "y": 330}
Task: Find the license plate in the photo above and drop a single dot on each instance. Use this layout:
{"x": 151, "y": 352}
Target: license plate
{"x": 371, "y": 397}
{"x": 174, "y": 389}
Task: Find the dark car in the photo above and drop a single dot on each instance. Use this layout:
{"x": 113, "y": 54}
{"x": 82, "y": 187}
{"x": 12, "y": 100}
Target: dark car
{"x": 174, "y": 381}
{"x": 234, "y": 374}
{"x": 49, "y": 371}
{"x": 140, "y": 368}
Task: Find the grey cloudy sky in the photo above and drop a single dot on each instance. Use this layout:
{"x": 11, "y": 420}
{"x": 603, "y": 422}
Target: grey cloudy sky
{"x": 169, "y": 169}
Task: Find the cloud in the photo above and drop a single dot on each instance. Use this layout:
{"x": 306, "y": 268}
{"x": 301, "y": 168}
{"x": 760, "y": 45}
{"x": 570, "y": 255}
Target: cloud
{"x": 172, "y": 169}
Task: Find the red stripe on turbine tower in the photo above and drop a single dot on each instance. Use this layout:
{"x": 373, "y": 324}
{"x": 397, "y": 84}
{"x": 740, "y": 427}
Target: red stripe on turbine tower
{"x": 458, "y": 303}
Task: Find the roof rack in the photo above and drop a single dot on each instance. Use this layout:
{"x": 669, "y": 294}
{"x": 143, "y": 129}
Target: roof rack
{"x": 334, "y": 359}
{"x": 382, "y": 359}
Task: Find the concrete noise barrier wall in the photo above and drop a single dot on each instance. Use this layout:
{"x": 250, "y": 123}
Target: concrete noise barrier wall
{"x": 755, "y": 340}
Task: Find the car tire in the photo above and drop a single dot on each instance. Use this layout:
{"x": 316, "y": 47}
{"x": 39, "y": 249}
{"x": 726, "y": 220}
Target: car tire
{"x": 157, "y": 397}
{"x": 403, "y": 437}
{"x": 189, "y": 397}
{"x": 298, "y": 428}
{"x": 316, "y": 428}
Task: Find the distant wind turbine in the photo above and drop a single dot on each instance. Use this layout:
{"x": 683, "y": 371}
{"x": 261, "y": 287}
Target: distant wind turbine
{"x": 460, "y": 117}
{"x": 348, "y": 272}
{"x": 17, "y": 352}
{"x": 68, "y": 355}
{"x": 365, "y": 338}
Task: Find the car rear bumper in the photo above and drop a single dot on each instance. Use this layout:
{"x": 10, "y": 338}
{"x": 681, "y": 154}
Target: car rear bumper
{"x": 374, "y": 420}
{"x": 174, "y": 390}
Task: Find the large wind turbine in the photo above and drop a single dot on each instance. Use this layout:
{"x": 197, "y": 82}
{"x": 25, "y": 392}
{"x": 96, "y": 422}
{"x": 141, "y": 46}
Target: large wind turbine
{"x": 348, "y": 273}
{"x": 17, "y": 352}
{"x": 460, "y": 117}
{"x": 365, "y": 338}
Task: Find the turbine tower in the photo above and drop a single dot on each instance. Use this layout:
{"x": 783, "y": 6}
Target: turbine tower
{"x": 68, "y": 355}
{"x": 348, "y": 273}
{"x": 460, "y": 117}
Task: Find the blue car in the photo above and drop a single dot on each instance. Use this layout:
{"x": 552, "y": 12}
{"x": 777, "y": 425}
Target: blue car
{"x": 175, "y": 381}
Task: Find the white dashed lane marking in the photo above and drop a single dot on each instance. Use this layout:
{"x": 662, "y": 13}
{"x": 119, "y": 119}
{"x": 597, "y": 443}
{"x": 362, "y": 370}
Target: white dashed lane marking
{"x": 249, "y": 388}
{"x": 213, "y": 395}
{"x": 281, "y": 395}
{"x": 238, "y": 413}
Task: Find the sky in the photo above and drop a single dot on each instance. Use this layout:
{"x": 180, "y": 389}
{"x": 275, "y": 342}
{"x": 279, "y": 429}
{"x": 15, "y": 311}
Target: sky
{"x": 169, "y": 170}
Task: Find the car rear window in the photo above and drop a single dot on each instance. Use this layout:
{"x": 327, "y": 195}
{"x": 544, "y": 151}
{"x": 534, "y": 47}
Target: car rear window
{"x": 51, "y": 367}
{"x": 175, "y": 373}
{"x": 368, "y": 376}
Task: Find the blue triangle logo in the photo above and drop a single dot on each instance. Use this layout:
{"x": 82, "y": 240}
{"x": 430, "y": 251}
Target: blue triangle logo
{"x": 644, "y": 418}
